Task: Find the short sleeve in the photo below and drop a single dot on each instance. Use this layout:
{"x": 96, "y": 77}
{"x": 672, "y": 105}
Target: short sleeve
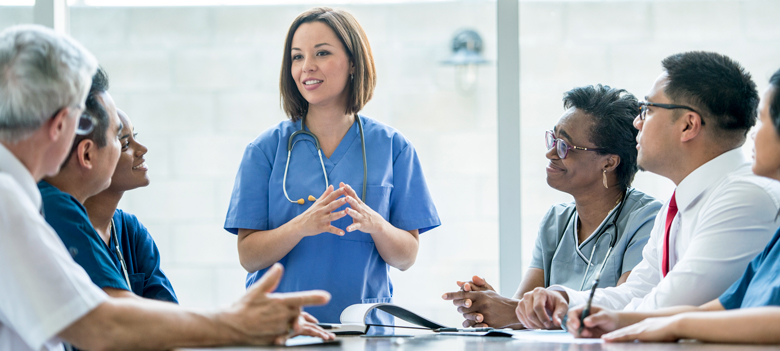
{"x": 248, "y": 207}
{"x": 69, "y": 219}
{"x": 732, "y": 298}
{"x": 43, "y": 291}
{"x": 537, "y": 258}
{"x": 411, "y": 205}
{"x": 147, "y": 260}
{"x": 639, "y": 226}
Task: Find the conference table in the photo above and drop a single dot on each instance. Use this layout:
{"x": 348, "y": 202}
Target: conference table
{"x": 480, "y": 343}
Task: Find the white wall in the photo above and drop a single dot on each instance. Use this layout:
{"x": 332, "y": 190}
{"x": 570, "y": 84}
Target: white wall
{"x": 200, "y": 82}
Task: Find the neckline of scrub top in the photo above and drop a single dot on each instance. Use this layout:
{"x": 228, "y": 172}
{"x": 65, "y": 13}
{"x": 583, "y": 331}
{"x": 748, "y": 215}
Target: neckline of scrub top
{"x": 577, "y": 247}
{"x": 344, "y": 145}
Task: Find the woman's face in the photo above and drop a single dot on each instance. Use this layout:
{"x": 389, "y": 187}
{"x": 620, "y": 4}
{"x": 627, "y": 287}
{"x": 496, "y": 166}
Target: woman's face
{"x": 580, "y": 169}
{"x": 131, "y": 170}
{"x": 320, "y": 65}
{"x": 767, "y": 150}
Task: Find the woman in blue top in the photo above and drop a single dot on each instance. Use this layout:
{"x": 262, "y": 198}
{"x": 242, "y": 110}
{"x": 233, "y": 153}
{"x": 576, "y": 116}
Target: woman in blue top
{"x": 375, "y": 201}
{"x": 748, "y": 311}
{"x": 87, "y": 173}
{"x": 138, "y": 247}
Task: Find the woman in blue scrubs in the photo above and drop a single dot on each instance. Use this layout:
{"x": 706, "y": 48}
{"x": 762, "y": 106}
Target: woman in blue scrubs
{"x": 98, "y": 160}
{"x": 138, "y": 247}
{"x": 339, "y": 238}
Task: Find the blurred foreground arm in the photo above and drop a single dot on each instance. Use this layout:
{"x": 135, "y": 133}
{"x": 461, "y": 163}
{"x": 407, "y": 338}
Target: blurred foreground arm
{"x": 258, "y": 318}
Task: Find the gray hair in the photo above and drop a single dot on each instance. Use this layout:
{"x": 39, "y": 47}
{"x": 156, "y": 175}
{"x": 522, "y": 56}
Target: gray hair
{"x": 41, "y": 72}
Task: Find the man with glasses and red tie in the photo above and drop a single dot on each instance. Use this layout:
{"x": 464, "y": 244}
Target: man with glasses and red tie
{"x": 691, "y": 128}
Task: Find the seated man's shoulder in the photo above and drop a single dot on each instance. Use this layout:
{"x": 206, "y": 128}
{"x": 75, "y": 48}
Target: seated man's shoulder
{"x": 743, "y": 179}
{"x": 12, "y": 195}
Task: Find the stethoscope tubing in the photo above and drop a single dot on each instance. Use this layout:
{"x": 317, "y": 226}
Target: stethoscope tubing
{"x": 119, "y": 254}
{"x": 291, "y": 145}
{"x": 612, "y": 242}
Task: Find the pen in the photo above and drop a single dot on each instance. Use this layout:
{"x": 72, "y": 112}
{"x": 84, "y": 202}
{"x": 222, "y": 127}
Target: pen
{"x": 586, "y": 310}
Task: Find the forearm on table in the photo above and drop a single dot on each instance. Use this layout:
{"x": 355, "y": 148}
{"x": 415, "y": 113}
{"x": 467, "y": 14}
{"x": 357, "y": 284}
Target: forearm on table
{"x": 142, "y": 324}
{"x": 259, "y": 249}
{"x": 397, "y": 247}
{"x": 749, "y": 325}
{"x": 534, "y": 278}
{"x": 632, "y": 317}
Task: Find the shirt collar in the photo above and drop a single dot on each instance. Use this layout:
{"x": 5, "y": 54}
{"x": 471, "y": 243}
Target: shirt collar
{"x": 707, "y": 174}
{"x": 11, "y": 165}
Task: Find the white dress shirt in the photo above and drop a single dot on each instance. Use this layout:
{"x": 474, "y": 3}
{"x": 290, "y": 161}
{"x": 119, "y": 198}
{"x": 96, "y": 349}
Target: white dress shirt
{"x": 726, "y": 216}
{"x": 42, "y": 290}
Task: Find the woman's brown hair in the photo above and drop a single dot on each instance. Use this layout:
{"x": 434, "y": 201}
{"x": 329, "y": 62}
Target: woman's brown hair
{"x": 352, "y": 36}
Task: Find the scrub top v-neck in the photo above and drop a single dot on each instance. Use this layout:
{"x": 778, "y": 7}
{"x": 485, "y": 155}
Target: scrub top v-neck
{"x": 349, "y": 267}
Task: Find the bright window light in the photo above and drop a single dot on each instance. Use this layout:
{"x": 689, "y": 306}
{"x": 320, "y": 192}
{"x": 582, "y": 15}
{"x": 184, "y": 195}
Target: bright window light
{"x": 231, "y": 2}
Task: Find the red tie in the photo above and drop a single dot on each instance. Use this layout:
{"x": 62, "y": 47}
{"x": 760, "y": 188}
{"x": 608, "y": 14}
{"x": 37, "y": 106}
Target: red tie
{"x": 669, "y": 218}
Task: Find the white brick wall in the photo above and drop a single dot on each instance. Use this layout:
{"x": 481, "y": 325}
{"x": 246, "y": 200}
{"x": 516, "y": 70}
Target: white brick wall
{"x": 200, "y": 82}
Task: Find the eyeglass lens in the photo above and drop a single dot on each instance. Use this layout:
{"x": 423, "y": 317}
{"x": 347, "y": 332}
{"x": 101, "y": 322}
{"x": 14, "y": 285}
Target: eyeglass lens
{"x": 86, "y": 124}
{"x": 561, "y": 147}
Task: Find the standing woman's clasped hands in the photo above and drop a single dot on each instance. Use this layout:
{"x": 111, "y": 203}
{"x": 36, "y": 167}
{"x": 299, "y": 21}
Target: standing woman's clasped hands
{"x": 317, "y": 218}
{"x": 364, "y": 218}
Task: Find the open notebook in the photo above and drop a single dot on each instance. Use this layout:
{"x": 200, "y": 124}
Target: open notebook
{"x": 353, "y": 321}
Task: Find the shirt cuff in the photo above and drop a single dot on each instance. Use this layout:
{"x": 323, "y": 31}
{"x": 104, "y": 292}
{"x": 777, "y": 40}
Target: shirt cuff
{"x": 576, "y": 298}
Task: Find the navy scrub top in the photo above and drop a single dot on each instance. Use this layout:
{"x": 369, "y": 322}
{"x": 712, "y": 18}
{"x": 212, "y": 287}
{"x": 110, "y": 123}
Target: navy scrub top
{"x": 69, "y": 219}
{"x": 760, "y": 284}
{"x": 349, "y": 266}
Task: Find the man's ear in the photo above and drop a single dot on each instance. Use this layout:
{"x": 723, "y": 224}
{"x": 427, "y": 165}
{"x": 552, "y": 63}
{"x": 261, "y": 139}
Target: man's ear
{"x": 56, "y": 125}
{"x": 692, "y": 126}
{"x": 85, "y": 152}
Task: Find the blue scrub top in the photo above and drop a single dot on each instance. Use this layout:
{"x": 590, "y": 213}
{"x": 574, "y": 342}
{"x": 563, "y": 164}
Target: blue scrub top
{"x": 760, "y": 284}
{"x": 70, "y": 220}
{"x": 142, "y": 259}
{"x": 348, "y": 267}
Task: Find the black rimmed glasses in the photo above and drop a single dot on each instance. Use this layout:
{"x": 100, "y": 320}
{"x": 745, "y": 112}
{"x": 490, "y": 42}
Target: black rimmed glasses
{"x": 643, "y": 105}
{"x": 562, "y": 147}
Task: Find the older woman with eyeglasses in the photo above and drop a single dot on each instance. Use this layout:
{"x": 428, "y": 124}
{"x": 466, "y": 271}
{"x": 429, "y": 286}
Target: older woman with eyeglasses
{"x": 592, "y": 156}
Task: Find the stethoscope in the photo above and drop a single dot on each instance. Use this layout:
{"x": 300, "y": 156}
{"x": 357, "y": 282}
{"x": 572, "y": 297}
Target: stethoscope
{"x": 291, "y": 145}
{"x": 119, "y": 254}
{"x": 68, "y": 346}
{"x": 613, "y": 237}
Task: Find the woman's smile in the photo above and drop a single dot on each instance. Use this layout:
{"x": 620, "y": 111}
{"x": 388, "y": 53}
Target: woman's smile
{"x": 312, "y": 83}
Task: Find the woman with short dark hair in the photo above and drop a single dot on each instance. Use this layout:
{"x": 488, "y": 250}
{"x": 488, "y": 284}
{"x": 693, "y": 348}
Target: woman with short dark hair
{"x": 345, "y": 240}
{"x": 592, "y": 156}
{"x": 747, "y": 313}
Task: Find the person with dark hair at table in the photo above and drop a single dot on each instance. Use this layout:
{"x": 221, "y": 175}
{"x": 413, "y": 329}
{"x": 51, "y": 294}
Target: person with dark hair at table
{"x": 749, "y": 311}
{"x": 691, "y": 128}
{"x": 592, "y": 156}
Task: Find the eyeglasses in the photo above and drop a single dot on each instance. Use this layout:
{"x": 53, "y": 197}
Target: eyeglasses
{"x": 86, "y": 122}
{"x": 643, "y": 105}
{"x": 562, "y": 147}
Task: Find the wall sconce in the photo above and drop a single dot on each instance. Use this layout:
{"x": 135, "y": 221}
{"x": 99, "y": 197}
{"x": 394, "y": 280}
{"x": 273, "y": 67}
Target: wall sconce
{"x": 466, "y": 56}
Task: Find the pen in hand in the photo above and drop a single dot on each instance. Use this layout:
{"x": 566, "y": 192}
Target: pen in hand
{"x": 586, "y": 310}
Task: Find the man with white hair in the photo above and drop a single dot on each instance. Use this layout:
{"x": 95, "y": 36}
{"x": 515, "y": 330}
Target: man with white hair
{"x": 47, "y": 298}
